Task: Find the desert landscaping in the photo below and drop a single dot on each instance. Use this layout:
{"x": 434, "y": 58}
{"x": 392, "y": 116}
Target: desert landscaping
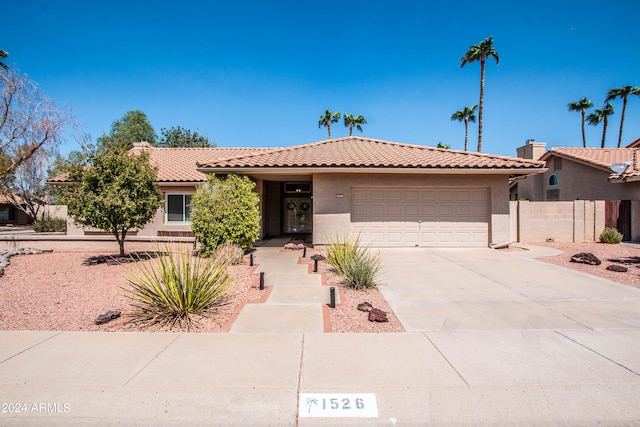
{"x": 68, "y": 289}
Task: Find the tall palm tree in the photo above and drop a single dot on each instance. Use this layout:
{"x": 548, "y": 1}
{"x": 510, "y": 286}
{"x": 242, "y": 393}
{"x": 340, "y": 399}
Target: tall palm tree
{"x": 601, "y": 116}
{"x": 350, "y": 121}
{"x": 466, "y": 115}
{"x": 480, "y": 52}
{"x": 622, "y": 92}
{"x": 581, "y": 106}
{"x": 4, "y": 55}
{"x": 327, "y": 118}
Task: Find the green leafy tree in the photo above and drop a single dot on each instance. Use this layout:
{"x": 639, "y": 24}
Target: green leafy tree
{"x": 327, "y": 119}
{"x": 133, "y": 127}
{"x": 350, "y": 121}
{"x": 622, "y": 92}
{"x": 466, "y": 115}
{"x": 480, "y": 52}
{"x": 225, "y": 210}
{"x": 445, "y": 146}
{"x": 581, "y": 106}
{"x": 178, "y": 137}
{"x": 601, "y": 116}
{"x": 116, "y": 193}
{"x": 4, "y": 55}
{"x": 29, "y": 121}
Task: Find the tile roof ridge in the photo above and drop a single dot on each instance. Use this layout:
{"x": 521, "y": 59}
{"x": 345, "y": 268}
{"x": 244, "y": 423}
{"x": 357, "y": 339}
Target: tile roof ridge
{"x": 262, "y": 150}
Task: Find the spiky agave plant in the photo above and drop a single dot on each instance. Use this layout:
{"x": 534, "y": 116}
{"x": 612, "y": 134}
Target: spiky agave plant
{"x": 176, "y": 286}
{"x": 353, "y": 262}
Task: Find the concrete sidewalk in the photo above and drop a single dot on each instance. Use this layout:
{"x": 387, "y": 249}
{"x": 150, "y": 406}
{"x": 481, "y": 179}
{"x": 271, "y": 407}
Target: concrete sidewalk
{"x": 295, "y": 296}
{"x": 493, "y": 377}
{"x": 493, "y": 338}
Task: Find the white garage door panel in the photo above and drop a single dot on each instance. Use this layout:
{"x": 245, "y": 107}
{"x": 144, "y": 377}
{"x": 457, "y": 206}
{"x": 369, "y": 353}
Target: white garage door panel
{"x": 424, "y": 216}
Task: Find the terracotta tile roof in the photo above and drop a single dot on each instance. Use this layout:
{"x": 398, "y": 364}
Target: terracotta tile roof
{"x": 356, "y": 152}
{"x": 600, "y": 158}
{"x": 177, "y": 165}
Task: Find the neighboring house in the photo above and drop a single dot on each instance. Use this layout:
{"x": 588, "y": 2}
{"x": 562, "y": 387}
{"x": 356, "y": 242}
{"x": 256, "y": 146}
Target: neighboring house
{"x": 11, "y": 215}
{"x": 579, "y": 174}
{"x": 392, "y": 194}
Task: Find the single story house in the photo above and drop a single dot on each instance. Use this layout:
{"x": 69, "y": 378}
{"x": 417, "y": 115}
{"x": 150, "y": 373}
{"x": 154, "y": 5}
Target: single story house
{"x": 10, "y": 214}
{"x": 391, "y": 194}
{"x": 579, "y": 174}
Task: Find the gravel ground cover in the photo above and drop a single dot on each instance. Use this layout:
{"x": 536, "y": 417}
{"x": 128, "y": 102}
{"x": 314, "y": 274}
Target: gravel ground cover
{"x": 627, "y": 255}
{"x": 67, "y": 290}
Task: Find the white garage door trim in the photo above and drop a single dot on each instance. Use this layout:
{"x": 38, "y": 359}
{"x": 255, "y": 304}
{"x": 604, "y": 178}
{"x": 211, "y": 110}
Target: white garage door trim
{"x": 421, "y": 216}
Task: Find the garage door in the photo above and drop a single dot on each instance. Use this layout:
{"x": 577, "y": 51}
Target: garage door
{"x": 421, "y": 216}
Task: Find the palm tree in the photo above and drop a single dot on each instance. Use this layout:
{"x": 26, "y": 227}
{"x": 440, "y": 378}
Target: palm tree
{"x": 601, "y": 116}
{"x": 327, "y": 118}
{"x": 466, "y": 115}
{"x": 581, "y": 106}
{"x": 4, "y": 54}
{"x": 480, "y": 52}
{"x": 350, "y": 121}
{"x": 622, "y": 92}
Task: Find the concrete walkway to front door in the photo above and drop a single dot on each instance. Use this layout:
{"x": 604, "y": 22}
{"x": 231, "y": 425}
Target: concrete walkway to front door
{"x": 295, "y": 297}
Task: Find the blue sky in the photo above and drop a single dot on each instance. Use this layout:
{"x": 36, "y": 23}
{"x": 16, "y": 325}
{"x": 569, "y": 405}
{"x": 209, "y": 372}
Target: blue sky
{"x": 260, "y": 73}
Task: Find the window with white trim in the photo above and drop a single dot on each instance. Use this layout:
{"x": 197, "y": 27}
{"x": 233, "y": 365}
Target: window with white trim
{"x": 177, "y": 207}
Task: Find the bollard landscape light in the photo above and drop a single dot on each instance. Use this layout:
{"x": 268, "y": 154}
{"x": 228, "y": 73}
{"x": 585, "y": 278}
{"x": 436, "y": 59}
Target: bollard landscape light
{"x": 315, "y": 265}
{"x": 250, "y": 260}
{"x": 304, "y": 252}
{"x": 262, "y": 280}
{"x": 332, "y": 295}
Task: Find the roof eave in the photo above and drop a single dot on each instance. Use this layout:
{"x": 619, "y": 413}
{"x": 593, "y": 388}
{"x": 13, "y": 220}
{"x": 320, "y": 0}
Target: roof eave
{"x": 430, "y": 171}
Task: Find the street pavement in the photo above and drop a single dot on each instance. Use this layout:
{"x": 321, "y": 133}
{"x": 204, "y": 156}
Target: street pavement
{"x": 493, "y": 338}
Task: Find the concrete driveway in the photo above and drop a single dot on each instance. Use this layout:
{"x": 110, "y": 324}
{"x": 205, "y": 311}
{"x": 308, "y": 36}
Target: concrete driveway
{"x": 435, "y": 290}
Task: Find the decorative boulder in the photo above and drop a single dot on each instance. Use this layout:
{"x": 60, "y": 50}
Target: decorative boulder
{"x": 377, "y": 315}
{"x": 586, "y": 258}
{"x": 107, "y": 317}
{"x": 365, "y": 306}
{"x": 294, "y": 246}
{"x": 617, "y": 268}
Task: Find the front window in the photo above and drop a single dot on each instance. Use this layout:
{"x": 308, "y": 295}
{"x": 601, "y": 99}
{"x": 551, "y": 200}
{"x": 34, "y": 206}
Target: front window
{"x": 178, "y": 207}
{"x": 6, "y": 213}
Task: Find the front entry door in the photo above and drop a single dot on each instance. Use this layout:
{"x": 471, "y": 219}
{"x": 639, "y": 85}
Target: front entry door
{"x": 298, "y": 215}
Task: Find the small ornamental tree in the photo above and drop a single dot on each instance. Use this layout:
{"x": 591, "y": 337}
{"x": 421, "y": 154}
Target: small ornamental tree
{"x": 225, "y": 210}
{"x": 116, "y": 193}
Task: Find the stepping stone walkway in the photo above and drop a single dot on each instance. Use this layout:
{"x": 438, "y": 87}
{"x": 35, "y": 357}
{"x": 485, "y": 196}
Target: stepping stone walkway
{"x": 295, "y": 297}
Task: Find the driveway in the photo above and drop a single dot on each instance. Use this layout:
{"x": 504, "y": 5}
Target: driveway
{"x": 433, "y": 290}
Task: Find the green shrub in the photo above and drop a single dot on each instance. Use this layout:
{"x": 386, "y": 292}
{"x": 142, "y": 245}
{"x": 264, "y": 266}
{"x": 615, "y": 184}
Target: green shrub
{"x": 50, "y": 225}
{"x": 610, "y": 235}
{"x": 354, "y": 263}
{"x": 230, "y": 253}
{"x": 175, "y": 287}
{"x": 225, "y": 210}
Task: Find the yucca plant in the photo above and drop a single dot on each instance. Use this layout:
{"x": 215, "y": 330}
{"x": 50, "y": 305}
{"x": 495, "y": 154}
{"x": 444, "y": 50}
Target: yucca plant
{"x": 353, "y": 262}
{"x": 610, "y": 235}
{"x": 175, "y": 287}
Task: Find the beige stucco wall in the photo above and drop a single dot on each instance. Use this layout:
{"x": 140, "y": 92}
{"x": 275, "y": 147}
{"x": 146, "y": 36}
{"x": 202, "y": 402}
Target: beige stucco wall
{"x": 561, "y": 221}
{"x": 576, "y": 181}
{"x": 332, "y": 199}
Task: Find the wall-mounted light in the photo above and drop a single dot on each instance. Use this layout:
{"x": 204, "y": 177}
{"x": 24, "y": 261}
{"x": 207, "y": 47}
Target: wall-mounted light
{"x": 340, "y": 196}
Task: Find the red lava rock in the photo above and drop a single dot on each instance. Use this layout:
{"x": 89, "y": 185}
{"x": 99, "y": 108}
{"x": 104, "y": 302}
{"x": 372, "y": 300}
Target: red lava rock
{"x": 618, "y": 268}
{"x": 107, "y": 317}
{"x": 365, "y": 306}
{"x": 586, "y": 258}
{"x": 377, "y": 315}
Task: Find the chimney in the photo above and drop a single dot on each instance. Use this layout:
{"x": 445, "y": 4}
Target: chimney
{"x": 532, "y": 150}
{"x": 141, "y": 144}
